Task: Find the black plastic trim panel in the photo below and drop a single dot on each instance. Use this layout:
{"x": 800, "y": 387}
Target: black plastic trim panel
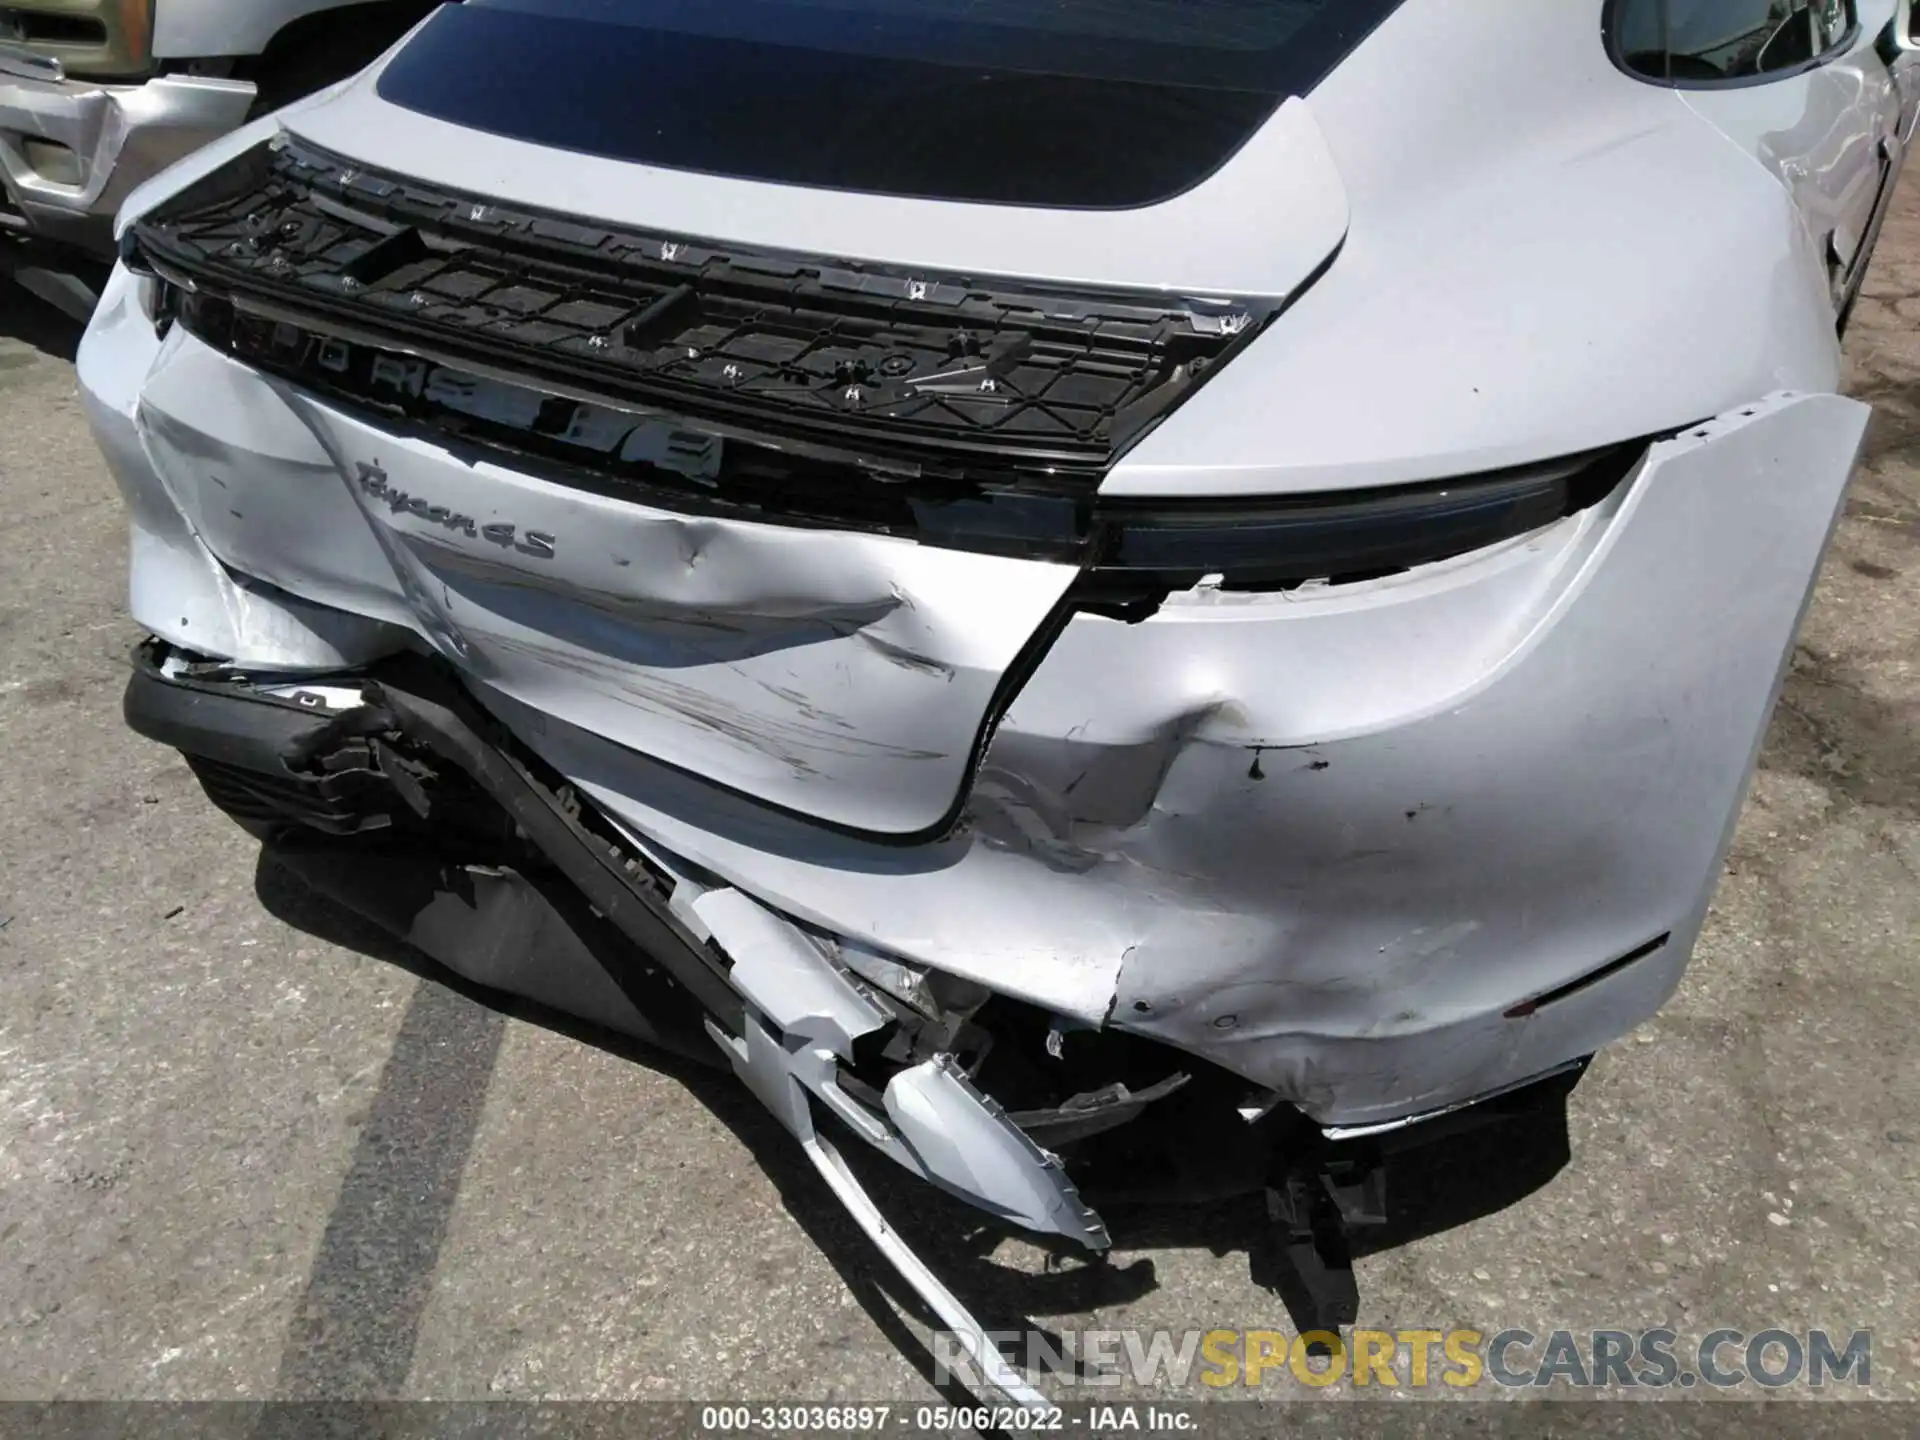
{"x": 899, "y": 367}
{"x": 245, "y": 739}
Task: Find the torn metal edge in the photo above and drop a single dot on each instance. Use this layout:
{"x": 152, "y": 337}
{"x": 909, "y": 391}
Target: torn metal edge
{"x": 955, "y": 1316}
{"x": 769, "y": 1071}
{"x": 803, "y": 1018}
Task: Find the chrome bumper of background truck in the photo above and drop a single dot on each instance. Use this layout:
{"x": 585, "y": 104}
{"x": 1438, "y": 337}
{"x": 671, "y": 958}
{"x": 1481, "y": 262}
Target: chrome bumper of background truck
{"x": 108, "y": 137}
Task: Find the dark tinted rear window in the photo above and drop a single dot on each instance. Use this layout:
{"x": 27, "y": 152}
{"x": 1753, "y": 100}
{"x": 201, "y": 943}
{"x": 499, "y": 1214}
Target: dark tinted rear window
{"x": 1072, "y": 103}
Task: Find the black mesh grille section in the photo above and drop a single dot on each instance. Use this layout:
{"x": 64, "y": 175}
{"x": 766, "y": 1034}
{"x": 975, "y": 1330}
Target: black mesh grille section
{"x": 888, "y": 363}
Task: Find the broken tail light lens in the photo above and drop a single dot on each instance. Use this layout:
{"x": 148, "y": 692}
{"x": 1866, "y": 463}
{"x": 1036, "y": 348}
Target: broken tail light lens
{"x": 1256, "y": 545}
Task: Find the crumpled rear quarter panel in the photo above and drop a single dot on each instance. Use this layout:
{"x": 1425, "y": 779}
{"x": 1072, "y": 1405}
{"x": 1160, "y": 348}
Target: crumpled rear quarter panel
{"x": 1569, "y": 804}
{"x": 1329, "y": 839}
{"x": 843, "y": 676}
{"x": 1325, "y": 837}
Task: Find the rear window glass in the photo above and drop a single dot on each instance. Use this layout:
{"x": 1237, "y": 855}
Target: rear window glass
{"x": 1072, "y": 103}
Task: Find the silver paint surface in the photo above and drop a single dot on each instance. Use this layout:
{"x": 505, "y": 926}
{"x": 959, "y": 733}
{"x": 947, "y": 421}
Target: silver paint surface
{"x": 1328, "y": 837}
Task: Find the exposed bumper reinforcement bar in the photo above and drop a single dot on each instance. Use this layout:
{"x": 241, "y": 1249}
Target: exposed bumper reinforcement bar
{"x": 780, "y": 1011}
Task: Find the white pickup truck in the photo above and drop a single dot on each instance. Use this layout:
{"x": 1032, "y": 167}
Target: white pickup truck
{"x": 98, "y": 95}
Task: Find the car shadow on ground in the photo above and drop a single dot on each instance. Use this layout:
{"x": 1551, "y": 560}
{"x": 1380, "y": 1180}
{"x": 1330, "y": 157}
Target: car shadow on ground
{"x": 32, "y": 321}
{"x": 355, "y": 1329}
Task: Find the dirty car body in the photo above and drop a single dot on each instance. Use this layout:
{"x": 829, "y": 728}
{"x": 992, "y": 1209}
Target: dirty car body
{"x": 1236, "y": 558}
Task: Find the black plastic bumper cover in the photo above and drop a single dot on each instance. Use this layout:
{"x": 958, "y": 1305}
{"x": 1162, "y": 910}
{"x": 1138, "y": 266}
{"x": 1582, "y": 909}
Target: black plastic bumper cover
{"x": 246, "y": 739}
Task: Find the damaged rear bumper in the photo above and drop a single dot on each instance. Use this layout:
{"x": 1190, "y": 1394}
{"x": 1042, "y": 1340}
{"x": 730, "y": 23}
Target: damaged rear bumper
{"x": 1376, "y": 848}
{"x": 284, "y": 761}
{"x": 391, "y": 793}
{"x": 1371, "y": 851}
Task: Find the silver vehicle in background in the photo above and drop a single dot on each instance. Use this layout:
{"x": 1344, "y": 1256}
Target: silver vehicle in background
{"x": 97, "y": 96}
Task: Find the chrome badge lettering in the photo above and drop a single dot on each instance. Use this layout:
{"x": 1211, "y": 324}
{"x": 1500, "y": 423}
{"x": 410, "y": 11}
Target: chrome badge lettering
{"x": 373, "y": 480}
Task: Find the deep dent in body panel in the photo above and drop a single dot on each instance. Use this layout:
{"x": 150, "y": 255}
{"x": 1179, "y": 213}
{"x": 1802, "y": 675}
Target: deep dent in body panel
{"x": 842, "y": 662}
{"x": 1285, "y": 875}
{"x": 1304, "y": 1022}
{"x": 1371, "y": 849}
{"x": 1289, "y": 859}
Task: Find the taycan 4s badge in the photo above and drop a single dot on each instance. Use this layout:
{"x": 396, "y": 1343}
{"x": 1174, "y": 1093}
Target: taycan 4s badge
{"x": 373, "y": 480}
